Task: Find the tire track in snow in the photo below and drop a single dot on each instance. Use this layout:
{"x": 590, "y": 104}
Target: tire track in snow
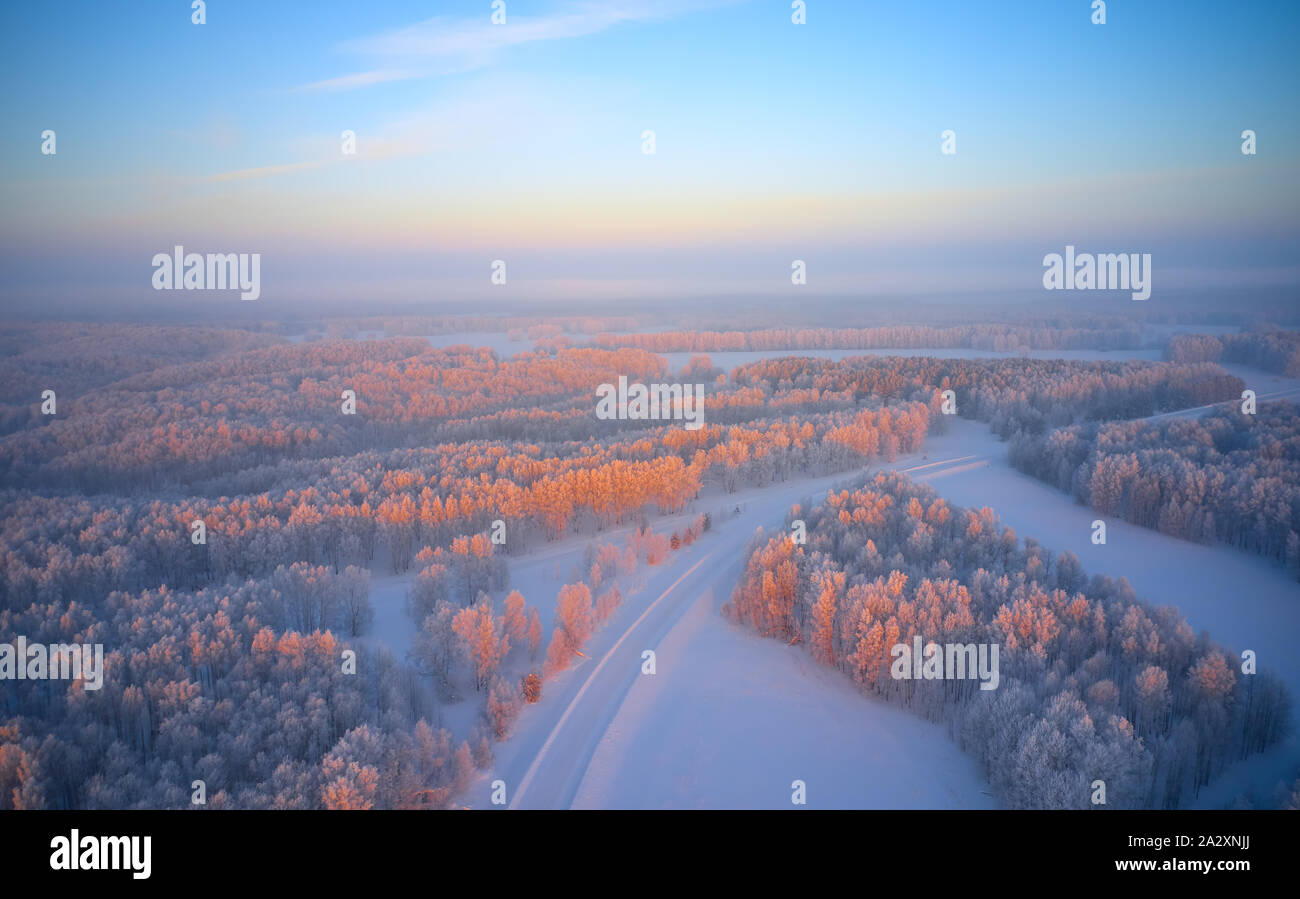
{"x": 580, "y": 760}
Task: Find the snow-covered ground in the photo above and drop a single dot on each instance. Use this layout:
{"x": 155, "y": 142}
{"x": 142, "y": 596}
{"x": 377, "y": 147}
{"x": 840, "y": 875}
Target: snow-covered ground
{"x": 730, "y": 720}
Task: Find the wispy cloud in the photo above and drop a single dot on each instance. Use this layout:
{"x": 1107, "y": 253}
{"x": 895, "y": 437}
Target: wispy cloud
{"x": 264, "y": 171}
{"x": 444, "y": 44}
{"x": 487, "y": 114}
{"x": 359, "y": 79}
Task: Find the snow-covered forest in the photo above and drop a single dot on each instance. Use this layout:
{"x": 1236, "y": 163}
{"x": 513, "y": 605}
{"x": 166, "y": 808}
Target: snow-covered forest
{"x": 201, "y": 502}
{"x": 1224, "y": 476}
{"x": 1094, "y": 683}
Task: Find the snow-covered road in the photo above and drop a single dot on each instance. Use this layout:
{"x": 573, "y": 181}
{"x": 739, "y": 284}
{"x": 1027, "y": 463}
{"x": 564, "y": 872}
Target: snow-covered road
{"x": 728, "y": 720}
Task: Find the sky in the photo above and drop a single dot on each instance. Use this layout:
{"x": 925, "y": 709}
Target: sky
{"x": 523, "y": 142}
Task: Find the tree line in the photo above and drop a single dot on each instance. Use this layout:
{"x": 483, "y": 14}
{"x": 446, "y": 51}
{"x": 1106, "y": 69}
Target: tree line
{"x": 1225, "y": 476}
{"x": 1273, "y": 351}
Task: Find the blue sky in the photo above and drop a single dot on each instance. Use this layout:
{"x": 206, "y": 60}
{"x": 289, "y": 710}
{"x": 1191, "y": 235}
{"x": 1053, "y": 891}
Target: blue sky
{"x": 522, "y": 141}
